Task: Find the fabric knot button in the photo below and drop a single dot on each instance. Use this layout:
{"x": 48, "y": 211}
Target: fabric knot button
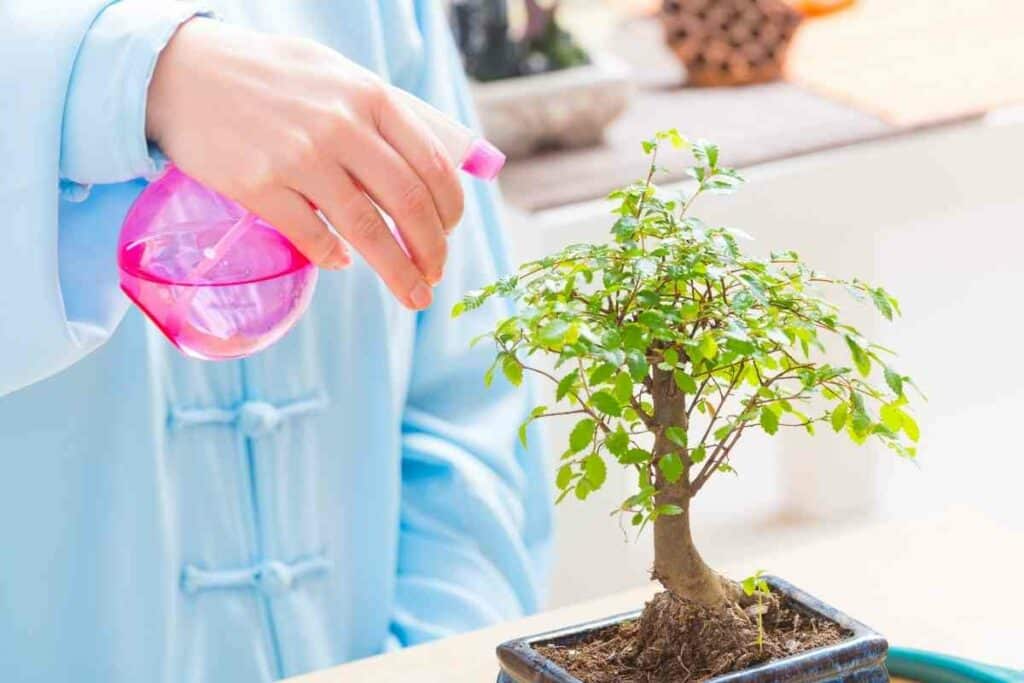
{"x": 258, "y": 418}
{"x": 274, "y": 578}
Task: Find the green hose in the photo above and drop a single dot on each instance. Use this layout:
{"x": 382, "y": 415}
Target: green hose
{"x": 932, "y": 667}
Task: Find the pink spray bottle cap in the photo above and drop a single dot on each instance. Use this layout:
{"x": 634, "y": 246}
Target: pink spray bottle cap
{"x": 483, "y": 160}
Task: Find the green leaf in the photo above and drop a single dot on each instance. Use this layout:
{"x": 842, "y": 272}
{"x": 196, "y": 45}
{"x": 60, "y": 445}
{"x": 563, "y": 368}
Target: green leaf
{"x": 838, "y": 416}
{"x": 698, "y": 454}
{"x": 711, "y": 152}
{"x": 910, "y": 428}
{"x": 686, "y": 384}
{"x": 755, "y": 584}
{"x": 458, "y": 309}
{"x": 667, "y": 510}
{"x": 566, "y": 385}
{"x": 673, "y": 136}
{"x": 601, "y": 373}
{"x": 769, "y": 420}
{"x": 892, "y": 417}
{"x": 858, "y": 402}
{"x": 564, "y": 477}
{"x": 638, "y": 366}
{"x": 489, "y": 377}
{"x": 633, "y": 337}
{"x": 635, "y": 456}
{"x": 606, "y": 403}
{"x": 623, "y": 387}
{"x": 617, "y": 442}
{"x": 894, "y": 380}
{"x": 881, "y": 300}
{"x": 650, "y": 318}
{"x": 625, "y": 228}
{"x": 860, "y": 357}
{"x": 708, "y": 346}
{"x": 646, "y": 267}
{"x": 582, "y": 434}
{"x": 553, "y": 334}
{"x": 595, "y": 470}
{"x": 583, "y": 489}
{"x": 512, "y": 369}
{"x": 671, "y": 465}
{"x": 676, "y": 435}
{"x": 861, "y": 423}
{"x": 534, "y": 414}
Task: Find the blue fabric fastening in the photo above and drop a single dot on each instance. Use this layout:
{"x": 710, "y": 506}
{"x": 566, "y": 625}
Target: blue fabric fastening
{"x": 255, "y": 419}
{"x": 272, "y": 578}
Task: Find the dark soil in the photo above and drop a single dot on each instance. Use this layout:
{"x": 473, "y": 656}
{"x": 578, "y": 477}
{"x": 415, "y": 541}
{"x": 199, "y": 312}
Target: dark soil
{"x": 677, "y": 641}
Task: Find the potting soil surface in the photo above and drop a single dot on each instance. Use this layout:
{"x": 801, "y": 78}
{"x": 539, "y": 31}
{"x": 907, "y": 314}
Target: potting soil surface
{"x": 703, "y": 643}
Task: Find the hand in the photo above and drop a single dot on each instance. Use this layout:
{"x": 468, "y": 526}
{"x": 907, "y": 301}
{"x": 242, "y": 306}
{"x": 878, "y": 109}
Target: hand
{"x": 280, "y": 123}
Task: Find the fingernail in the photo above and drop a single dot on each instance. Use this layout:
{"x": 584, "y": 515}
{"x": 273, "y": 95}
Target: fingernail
{"x": 421, "y": 296}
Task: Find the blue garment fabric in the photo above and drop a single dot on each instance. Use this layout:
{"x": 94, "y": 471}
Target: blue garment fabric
{"x": 351, "y": 489}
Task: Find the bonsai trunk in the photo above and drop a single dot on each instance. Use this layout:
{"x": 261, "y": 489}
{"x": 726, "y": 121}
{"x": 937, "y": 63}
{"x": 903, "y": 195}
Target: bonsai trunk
{"x": 677, "y": 564}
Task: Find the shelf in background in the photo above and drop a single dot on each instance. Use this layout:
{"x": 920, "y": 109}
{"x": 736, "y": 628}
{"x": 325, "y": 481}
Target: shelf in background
{"x": 751, "y": 124}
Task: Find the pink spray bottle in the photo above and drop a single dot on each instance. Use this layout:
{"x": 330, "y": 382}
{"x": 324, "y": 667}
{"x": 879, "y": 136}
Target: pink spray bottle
{"x": 219, "y": 281}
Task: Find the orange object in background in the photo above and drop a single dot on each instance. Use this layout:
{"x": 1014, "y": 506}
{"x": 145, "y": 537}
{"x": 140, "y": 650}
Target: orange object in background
{"x": 817, "y": 8}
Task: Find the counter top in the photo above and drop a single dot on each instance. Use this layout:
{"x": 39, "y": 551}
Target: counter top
{"x": 947, "y": 582}
{"x": 751, "y": 124}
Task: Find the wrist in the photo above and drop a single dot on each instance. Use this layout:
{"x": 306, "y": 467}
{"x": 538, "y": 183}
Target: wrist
{"x": 170, "y": 79}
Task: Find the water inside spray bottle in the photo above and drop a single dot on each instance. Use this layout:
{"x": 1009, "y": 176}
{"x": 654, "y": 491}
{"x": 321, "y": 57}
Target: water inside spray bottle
{"x": 214, "y": 305}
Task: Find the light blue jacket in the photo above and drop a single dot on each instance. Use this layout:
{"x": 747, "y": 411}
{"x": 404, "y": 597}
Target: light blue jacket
{"x": 351, "y": 489}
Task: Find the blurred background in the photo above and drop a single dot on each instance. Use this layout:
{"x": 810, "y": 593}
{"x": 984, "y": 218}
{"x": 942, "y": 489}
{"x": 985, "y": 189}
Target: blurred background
{"x": 880, "y": 140}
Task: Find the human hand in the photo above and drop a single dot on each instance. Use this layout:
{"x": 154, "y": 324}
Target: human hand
{"x": 280, "y": 123}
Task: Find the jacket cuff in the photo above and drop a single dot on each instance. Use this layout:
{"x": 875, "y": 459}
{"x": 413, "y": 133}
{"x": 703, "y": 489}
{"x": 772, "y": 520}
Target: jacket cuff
{"x": 104, "y": 129}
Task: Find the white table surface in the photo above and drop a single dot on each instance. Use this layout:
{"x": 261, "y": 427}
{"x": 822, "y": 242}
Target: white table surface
{"x": 948, "y": 582}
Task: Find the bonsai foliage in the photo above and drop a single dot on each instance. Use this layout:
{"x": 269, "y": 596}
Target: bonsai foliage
{"x": 669, "y": 344}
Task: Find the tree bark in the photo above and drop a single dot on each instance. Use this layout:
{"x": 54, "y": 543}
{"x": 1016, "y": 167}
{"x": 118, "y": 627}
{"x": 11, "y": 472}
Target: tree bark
{"x": 677, "y": 564}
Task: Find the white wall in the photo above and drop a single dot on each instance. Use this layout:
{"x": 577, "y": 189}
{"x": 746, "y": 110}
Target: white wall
{"x": 937, "y": 219}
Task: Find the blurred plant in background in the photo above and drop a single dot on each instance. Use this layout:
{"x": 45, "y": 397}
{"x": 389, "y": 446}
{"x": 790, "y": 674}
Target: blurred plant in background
{"x": 490, "y": 50}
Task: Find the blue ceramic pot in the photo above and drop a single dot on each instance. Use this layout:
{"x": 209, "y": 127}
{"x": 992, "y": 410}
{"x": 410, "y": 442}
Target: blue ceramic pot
{"x": 858, "y": 659}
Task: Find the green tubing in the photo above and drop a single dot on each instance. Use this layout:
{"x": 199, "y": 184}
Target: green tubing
{"x": 932, "y": 667}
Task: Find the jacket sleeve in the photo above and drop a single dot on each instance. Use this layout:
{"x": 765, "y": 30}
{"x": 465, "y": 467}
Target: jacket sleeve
{"x": 75, "y": 76}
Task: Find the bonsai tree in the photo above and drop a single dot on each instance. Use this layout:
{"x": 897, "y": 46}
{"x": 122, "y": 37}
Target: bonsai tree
{"x": 670, "y": 344}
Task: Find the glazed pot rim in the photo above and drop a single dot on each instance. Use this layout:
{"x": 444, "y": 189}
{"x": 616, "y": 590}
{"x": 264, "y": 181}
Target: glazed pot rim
{"x": 863, "y": 649}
